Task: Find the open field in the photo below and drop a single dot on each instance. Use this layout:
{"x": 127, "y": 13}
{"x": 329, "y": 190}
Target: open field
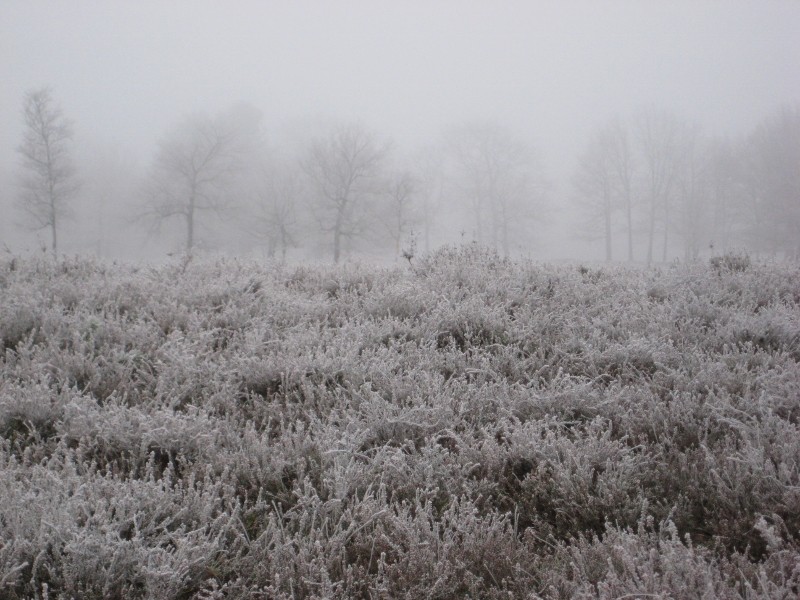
{"x": 466, "y": 427}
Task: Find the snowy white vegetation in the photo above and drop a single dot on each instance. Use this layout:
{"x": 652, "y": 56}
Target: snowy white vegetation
{"x": 466, "y": 427}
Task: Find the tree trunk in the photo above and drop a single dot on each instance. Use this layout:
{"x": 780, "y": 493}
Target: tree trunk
{"x": 284, "y": 243}
{"x": 54, "y": 237}
{"x": 337, "y": 245}
{"x": 651, "y": 233}
{"x": 190, "y": 225}
{"x": 666, "y": 231}
{"x": 608, "y": 233}
{"x": 630, "y": 224}
{"x": 479, "y": 222}
{"x": 504, "y": 225}
{"x": 337, "y": 242}
{"x": 494, "y": 224}
{"x": 427, "y": 235}
{"x": 189, "y": 230}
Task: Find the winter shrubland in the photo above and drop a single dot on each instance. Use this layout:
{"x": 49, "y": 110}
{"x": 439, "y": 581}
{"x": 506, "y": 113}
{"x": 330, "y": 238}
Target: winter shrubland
{"x": 468, "y": 426}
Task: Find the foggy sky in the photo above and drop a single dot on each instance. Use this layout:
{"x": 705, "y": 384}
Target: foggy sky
{"x": 551, "y": 71}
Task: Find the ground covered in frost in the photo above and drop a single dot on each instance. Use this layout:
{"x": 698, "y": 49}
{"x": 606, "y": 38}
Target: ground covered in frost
{"x": 464, "y": 426}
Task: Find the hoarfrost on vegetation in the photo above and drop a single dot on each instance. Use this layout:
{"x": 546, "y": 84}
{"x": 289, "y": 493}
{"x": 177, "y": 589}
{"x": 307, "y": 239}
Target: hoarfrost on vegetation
{"x": 466, "y": 426}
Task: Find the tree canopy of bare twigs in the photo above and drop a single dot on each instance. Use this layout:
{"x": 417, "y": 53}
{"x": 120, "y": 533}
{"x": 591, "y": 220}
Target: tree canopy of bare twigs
{"x": 195, "y": 169}
{"x": 603, "y": 181}
{"x": 499, "y": 177}
{"x": 399, "y": 214}
{"x": 277, "y": 198}
{"x": 662, "y": 139}
{"x": 344, "y": 171}
{"x": 772, "y": 163}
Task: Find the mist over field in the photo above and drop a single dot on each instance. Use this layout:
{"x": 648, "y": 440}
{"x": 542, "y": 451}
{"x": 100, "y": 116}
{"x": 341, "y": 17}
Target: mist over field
{"x": 441, "y": 300}
{"x": 491, "y": 122}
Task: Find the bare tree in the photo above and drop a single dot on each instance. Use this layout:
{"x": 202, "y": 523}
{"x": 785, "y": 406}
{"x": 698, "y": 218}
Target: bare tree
{"x": 724, "y": 166}
{"x": 498, "y": 175}
{"x": 49, "y": 180}
{"x": 275, "y": 216}
{"x": 195, "y": 170}
{"x": 429, "y": 179}
{"x": 624, "y": 168}
{"x": 344, "y": 170}
{"x": 692, "y": 195}
{"x": 111, "y": 182}
{"x": 774, "y": 174}
{"x": 595, "y": 182}
{"x": 399, "y": 215}
{"x": 660, "y": 143}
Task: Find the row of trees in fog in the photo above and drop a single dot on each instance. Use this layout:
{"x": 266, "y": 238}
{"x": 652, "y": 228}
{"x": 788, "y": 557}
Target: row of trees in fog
{"x": 219, "y": 180}
{"x": 647, "y": 186}
{"x": 346, "y": 188}
{"x": 657, "y": 177}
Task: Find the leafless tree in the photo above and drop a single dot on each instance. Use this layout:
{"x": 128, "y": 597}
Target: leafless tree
{"x": 660, "y": 137}
{"x": 428, "y": 170}
{"x": 603, "y": 185}
{"x": 195, "y": 169}
{"x": 773, "y": 171}
{"x": 49, "y": 178}
{"x": 277, "y": 201}
{"x": 111, "y": 183}
{"x": 693, "y": 194}
{"x": 399, "y": 214}
{"x": 624, "y": 169}
{"x": 344, "y": 170}
{"x": 726, "y": 192}
{"x": 498, "y": 176}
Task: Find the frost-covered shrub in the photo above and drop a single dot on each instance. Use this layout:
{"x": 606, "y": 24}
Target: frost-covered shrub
{"x": 656, "y": 562}
{"x": 467, "y": 268}
{"x": 730, "y": 262}
{"x": 29, "y": 415}
{"x": 127, "y": 439}
{"x": 16, "y": 324}
{"x": 89, "y": 534}
{"x": 400, "y": 300}
{"x": 563, "y": 478}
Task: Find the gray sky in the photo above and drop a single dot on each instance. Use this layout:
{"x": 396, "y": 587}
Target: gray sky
{"x": 126, "y": 71}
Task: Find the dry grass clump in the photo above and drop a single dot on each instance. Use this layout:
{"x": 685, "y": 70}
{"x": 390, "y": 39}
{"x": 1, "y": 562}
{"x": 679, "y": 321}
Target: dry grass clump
{"x": 466, "y": 427}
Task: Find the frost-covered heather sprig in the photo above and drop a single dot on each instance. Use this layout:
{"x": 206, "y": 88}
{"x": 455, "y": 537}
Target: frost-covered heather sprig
{"x": 468, "y": 426}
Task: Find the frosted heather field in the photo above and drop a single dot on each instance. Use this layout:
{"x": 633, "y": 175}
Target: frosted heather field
{"x": 465, "y": 426}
